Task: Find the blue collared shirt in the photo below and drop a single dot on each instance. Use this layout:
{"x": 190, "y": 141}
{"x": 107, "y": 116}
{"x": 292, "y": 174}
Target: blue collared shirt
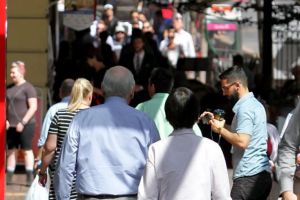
{"x": 106, "y": 146}
{"x": 250, "y": 118}
{"x": 48, "y": 118}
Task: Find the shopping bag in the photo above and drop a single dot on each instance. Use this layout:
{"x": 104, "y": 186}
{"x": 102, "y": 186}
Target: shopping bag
{"x": 37, "y": 191}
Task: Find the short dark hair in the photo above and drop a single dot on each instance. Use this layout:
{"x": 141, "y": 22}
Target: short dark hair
{"x": 235, "y": 73}
{"x": 162, "y": 79}
{"x": 182, "y": 108}
{"x": 66, "y": 87}
{"x": 238, "y": 60}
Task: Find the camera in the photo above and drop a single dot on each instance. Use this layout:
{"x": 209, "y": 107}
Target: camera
{"x": 205, "y": 119}
{"x": 219, "y": 114}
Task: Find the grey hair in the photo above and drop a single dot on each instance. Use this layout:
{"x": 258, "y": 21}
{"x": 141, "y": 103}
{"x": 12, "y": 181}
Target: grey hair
{"x": 118, "y": 81}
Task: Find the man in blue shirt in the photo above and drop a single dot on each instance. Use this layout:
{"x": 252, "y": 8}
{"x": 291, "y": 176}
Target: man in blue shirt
{"x": 248, "y": 136}
{"x": 106, "y": 145}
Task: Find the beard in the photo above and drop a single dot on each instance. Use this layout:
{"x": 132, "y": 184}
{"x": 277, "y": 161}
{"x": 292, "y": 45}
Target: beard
{"x": 234, "y": 97}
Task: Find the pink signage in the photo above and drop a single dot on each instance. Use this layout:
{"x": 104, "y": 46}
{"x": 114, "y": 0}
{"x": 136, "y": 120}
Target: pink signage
{"x": 221, "y": 27}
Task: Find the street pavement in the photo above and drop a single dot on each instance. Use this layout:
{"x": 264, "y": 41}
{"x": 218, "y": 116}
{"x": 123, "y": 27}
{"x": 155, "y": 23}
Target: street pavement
{"x": 17, "y": 190}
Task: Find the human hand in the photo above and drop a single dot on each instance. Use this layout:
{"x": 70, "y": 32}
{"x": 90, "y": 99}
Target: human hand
{"x": 19, "y": 127}
{"x": 37, "y": 164}
{"x": 205, "y": 117}
{"x": 288, "y": 195}
{"x": 217, "y": 125}
{"x": 7, "y": 124}
{"x": 206, "y": 113}
{"x": 42, "y": 178}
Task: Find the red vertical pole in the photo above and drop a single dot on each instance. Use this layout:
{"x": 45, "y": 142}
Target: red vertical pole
{"x": 2, "y": 96}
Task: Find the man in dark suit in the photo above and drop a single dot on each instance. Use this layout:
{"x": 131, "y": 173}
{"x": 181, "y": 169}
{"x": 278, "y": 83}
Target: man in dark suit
{"x": 140, "y": 61}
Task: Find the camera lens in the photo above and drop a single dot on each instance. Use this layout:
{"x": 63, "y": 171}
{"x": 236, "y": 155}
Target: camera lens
{"x": 219, "y": 114}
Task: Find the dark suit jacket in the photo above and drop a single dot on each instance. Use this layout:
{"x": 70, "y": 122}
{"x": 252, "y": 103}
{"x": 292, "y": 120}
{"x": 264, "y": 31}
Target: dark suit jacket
{"x": 147, "y": 64}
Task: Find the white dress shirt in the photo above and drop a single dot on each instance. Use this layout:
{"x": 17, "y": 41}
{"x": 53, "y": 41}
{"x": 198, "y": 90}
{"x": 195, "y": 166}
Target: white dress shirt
{"x": 185, "y": 166}
{"x": 185, "y": 40}
{"x": 138, "y": 60}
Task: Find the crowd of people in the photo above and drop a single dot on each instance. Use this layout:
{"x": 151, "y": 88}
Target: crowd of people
{"x": 153, "y": 151}
{"x": 139, "y": 44}
{"x": 129, "y": 125}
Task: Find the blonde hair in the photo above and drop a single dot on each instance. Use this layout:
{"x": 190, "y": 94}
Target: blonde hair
{"x": 20, "y": 65}
{"x": 81, "y": 89}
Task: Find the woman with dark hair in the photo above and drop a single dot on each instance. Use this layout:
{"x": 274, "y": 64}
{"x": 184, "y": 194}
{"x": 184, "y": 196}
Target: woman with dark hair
{"x": 184, "y": 165}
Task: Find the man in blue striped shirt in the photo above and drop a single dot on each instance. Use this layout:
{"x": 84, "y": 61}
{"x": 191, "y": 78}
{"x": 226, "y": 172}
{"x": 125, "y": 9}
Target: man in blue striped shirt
{"x": 106, "y": 145}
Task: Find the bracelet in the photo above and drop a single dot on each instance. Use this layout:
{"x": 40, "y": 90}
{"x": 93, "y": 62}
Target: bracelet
{"x": 42, "y": 174}
{"x": 23, "y": 122}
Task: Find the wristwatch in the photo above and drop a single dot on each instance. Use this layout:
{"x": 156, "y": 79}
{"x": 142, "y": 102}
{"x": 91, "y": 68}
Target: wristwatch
{"x": 42, "y": 173}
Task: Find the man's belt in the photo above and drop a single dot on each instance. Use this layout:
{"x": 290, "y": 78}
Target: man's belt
{"x": 107, "y": 196}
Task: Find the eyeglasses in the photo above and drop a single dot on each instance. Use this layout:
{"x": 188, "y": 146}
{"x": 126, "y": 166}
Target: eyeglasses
{"x": 226, "y": 87}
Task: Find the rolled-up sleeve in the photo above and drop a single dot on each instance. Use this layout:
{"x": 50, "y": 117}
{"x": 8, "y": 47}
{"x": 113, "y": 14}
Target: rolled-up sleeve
{"x": 67, "y": 162}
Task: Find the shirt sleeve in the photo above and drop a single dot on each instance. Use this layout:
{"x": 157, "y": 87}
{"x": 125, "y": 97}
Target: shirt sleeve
{"x": 191, "y": 48}
{"x": 220, "y": 181}
{"x": 45, "y": 129}
{"x": 31, "y": 92}
{"x": 287, "y": 150}
{"x": 245, "y": 122}
{"x": 148, "y": 187}
{"x": 66, "y": 163}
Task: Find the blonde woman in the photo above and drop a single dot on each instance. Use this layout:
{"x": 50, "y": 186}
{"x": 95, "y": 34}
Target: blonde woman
{"x": 21, "y": 105}
{"x": 80, "y": 98}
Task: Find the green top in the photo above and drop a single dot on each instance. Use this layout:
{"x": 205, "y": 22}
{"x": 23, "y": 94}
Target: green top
{"x": 155, "y": 108}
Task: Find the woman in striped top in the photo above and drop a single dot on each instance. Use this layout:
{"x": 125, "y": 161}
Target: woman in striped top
{"x": 80, "y": 98}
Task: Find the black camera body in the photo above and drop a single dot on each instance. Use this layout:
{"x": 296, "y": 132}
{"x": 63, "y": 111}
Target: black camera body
{"x": 205, "y": 119}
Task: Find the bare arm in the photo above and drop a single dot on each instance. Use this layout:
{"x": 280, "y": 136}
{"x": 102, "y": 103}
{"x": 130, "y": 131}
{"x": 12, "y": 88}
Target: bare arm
{"x": 32, "y": 104}
{"x": 240, "y": 140}
{"x": 48, "y": 153}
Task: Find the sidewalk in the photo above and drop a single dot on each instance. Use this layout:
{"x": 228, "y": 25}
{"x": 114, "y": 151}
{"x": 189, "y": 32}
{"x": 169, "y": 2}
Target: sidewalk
{"x": 17, "y": 190}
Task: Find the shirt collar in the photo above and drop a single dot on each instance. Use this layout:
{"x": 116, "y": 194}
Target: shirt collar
{"x": 241, "y": 101}
{"x": 115, "y": 99}
{"x": 182, "y": 131}
{"x": 66, "y": 99}
{"x": 141, "y": 53}
{"x": 160, "y": 95}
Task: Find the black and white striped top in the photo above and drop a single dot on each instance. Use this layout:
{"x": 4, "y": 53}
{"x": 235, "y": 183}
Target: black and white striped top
{"x": 59, "y": 126}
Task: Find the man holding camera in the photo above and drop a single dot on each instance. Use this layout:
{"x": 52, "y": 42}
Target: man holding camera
{"x": 248, "y": 136}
